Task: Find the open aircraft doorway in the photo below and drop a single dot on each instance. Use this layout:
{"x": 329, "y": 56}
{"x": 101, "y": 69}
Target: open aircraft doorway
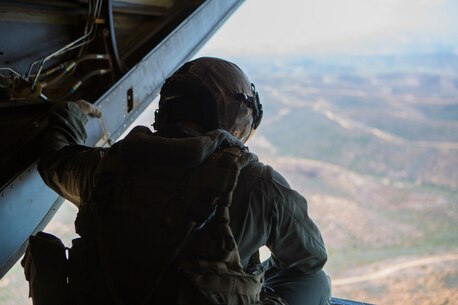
{"x": 115, "y": 54}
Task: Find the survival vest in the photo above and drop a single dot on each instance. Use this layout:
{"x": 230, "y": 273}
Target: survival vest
{"x": 157, "y": 234}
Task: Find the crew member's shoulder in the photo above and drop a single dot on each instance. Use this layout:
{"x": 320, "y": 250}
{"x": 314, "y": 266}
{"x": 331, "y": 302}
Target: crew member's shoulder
{"x": 260, "y": 170}
{"x": 257, "y": 169}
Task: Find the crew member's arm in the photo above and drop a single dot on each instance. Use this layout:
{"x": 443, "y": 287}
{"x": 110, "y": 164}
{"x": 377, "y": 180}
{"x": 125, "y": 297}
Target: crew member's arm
{"x": 295, "y": 240}
{"x": 66, "y": 165}
{"x": 298, "y": 252}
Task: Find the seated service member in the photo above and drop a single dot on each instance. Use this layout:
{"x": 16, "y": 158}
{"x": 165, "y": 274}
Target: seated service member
{"x": 205, "y": 103}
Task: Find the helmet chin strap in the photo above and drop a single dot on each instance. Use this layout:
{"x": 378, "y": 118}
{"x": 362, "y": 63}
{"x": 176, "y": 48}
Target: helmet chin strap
{"x": 250, "y": 134}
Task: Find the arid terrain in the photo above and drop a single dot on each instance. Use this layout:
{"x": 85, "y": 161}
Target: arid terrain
{"x": 372, "y": 143}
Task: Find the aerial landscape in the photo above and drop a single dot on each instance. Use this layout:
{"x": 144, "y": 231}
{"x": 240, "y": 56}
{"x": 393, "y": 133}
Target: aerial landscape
{"x": 372, "y": 143}
{"x": 375, "y": 152}
{"x": 360, "y": 106}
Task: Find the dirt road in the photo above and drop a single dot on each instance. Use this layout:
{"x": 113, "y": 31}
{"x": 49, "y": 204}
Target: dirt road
{"x": 395, "y": 268}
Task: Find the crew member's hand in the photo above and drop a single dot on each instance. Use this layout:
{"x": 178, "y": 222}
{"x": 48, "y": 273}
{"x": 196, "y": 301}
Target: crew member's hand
{"x": 89, "y": 109}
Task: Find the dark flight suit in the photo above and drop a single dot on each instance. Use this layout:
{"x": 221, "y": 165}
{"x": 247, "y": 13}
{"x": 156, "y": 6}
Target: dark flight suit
{"x": 265, "y": 210}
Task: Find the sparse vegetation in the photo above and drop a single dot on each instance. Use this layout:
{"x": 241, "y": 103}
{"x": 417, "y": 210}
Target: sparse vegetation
{"x": 373, "y": 146}
{"x": 386, "y": 188}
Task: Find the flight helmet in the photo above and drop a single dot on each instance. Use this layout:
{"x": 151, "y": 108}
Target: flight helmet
{"x": 214, "y": 93}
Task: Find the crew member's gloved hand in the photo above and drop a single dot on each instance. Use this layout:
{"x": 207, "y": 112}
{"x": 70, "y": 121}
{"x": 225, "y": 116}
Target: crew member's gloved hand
{"x": 89, "y": 109}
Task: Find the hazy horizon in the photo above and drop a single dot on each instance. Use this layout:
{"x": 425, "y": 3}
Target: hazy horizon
{"x": 361, "y": 116}
{"x": 310, "y": 27}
